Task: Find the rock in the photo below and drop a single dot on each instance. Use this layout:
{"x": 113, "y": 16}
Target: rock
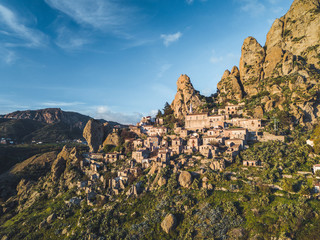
{"x": 186, "y": 95}
{"x": 94, "y": 134}
{"x": 185, "y": 179}
{"x": 162, "y": 181}
{"x": 272, "y": 60}
{"x": 64, "y": 231}
{"x": 169, "y": 223}
{"x": 236, "y": 233}
{"x": 231, "y": 86}
{"x": 58, "y": 167}
{"x": 251, "y": 61}
{"x": 269, "y": 106}
{"x": 5, "y": 238}
{"x": 258, "y": 112}
{"x": 51, "y": 218}
{"x": 112, "y": 139}
{"x": 288, "y": 63}
{"x": 43, "y": 224}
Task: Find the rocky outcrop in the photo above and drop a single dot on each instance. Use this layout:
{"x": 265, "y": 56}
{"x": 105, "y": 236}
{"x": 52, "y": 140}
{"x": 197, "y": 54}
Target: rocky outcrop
{"x": 185, "y": 179}
{"x": 251, "y": 61}
{"x": 186, "y": 96}
{"x": 94, "y": 134}
{"x": 169, "y": 223}
{"x": 230, "y": 86}
{"x": 112, "y": 139}
{"x": 290, "y": 59}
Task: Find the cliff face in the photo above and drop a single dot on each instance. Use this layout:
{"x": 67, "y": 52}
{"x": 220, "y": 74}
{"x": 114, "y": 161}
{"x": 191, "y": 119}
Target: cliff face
{"x": 186, "y": 95}
{"x": 284, "y": 74}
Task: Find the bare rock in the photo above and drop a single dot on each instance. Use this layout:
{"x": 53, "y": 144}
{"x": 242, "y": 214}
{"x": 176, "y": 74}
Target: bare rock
{"x": 251, "y": 61}
{"x": 162, "y": 181}
{"x": 272, "y": 62}
{"x": 258, "y": 112}
{"x": 186, "y": 95}
{"x": 94, "y": 133}
{"x": 185, "y": 179}
{"x": 51, "y": 218}
{"x": 169, "y": 223}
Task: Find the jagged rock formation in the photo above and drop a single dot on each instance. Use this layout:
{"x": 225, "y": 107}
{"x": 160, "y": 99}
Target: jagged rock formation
{"x": 94, "y": 134}
{"x": 284, "y": 74}
{"x": 168, "y": 223}
{"x": 230, "y": 86}
{"x": 186, "y": 95}
{"x": 112, "y": 139}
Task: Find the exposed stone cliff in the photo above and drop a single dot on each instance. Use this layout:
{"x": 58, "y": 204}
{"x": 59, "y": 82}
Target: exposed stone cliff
{"x": 94, "y": 134}
{"x": 186, "y": 95}
{"x": 284, "y": 74}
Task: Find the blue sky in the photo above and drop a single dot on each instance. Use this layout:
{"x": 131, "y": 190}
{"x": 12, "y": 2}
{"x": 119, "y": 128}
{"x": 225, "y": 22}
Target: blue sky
{"x": 120, "y": 59}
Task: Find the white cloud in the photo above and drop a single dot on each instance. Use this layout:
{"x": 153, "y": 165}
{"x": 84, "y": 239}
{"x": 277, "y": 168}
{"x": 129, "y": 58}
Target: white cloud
{"x": 99, "y": 14}
{"x": 16, "y": 29}
{"x": 189, "y": 1}
{"x": 254, "y": 7}
{"x": 70, "y": 40}
{"x": 170, "y": 38}
{"x": 105, "y": 113}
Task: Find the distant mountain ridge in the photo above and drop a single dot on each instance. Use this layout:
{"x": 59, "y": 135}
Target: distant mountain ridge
{"x": 45, "y": 125}
{"x": 51, "y": 116}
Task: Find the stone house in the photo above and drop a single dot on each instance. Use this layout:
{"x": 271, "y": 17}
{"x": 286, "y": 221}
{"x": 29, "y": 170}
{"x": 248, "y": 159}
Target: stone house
{"x": 206, "y": 151}
{"x": 201, "y": 121}
{"x": 184, "y": 133}
{"x": 111, "y": 157}
{"x": 232, "y": 142}
{"x": 230, "y": 109}
{"x": 135, "y": 129}
{"x": 138, "y": 143}
{"x": 163, "y": 155}
{"x": 139, "y": 155}
{"x": 157, "y": 131}
{"x": 316, "y": 168}
{"x": 193, "y": 143}
{"x": 236, "y": 133}
{"x": 254, "y": 163}
{"x": 152, "y": 142}
{"x": 209, "y": 140}
{"x": 250, "y": 124}
{"x": 97, "y": 156}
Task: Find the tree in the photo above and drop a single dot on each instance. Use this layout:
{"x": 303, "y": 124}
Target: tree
{"x": 167, "y": 110}
{"x": 159, "y": 114}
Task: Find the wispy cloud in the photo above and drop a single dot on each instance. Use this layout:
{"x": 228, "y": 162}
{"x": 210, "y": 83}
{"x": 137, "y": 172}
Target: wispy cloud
{"x": 61, "y": 104}
{"x": 254, "y": 7}
{"x": 170, "y": 38}
{"x": 15, "y": 28}
{"x": 164, "y": 68}
{"x": 189, "y": 1}
{"x": 99, "y": 14}
{"x": 104, "y": 112}
{"x": 70, "y": 40}
{"x": 214, "y": 58}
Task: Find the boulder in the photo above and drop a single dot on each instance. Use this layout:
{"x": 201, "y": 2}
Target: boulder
{"x": 185, "y": 179}
{"x": 169, "y": 223}
{"x": 51, "y": 218}
{"x": 162, "y": 181}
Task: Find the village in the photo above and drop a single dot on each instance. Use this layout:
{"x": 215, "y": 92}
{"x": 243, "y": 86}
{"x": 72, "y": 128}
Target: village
{"x": 207, "y": 141}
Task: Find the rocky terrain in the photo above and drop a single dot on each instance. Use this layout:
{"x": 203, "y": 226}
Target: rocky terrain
{"x": 247, "y": 166}
{"x": 284, "y": 74}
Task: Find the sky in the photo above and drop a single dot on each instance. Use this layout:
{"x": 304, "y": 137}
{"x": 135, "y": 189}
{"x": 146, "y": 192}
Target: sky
{"x": 120, "y": 59}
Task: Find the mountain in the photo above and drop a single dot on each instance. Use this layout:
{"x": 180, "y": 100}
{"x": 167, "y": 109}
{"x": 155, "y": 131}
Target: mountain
{"x": 51, "y": 116}
{"x": 282, "y": 76}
